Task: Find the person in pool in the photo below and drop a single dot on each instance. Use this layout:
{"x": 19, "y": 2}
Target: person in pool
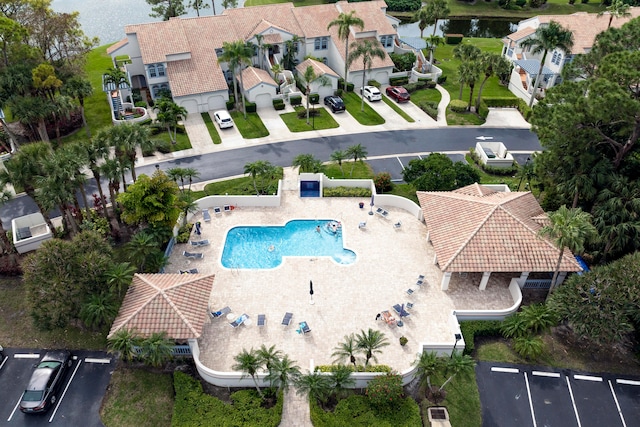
{"x": 318, "y": 229}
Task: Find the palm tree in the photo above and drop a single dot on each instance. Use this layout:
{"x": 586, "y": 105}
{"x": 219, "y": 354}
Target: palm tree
{"x": 309, "y": 77}
{"x": 169, "y": 114}
{"x": 342, "y": 379}
{"x": 80, "y": 89}
{"x": 357, "y": 152}
{"x": 367, "y": 50}
{"x": 338, "y": 156}
{"x": 259, "y": 38}
{"x": 283, "y": 372}
{"x": 568, "y": 228}
{"x": 157, "y": 349}
{"x": 96, "y": 151}
{"x": 346, "y": 349}
{"x": 437, "y": 10}
{"x": 291, "y": 49}
{"x": 139, "y": 248}
{"x": 229, "y": 4}
{"x": 248, "y": 362}
{"x": 115, "y": 76}
{"x": 236, "y": 54}
{"x": 33, "y": 112}
{"x": 125, "y": 342}
{"x": 423, "y": 18}
{"x": 100, "y": 310}
{"x": 617, "y": 9}
{"x": 119, "y": 275}
{"x": 428, "y": 364}
{"x": 111, "y": 169}
{"x": 468, "y": 73}
{"x": 458, "y": 363}
{"x": 491, "y": 64}
{"x": 5, "y": 196}
{"x": 370, "y": 343}
{"x": 126, "y": 139}
{"x": 268, "y": 357}
{"x": 433, "y": 41}
{"x": 307, "y": 163}
{"x": 255, "y": 169}
{"x": 315, "y": 385}
{"x": 546, "y": 38}
{"x": 344, "y": 22}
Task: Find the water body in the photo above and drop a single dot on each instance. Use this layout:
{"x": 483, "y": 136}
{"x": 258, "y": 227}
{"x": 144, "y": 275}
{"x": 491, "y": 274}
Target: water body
{"x": 106, "y": 20}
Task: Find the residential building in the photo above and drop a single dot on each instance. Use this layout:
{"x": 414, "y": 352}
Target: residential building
{"x": 584, "y": 26}
{"x": 182, "y": 54}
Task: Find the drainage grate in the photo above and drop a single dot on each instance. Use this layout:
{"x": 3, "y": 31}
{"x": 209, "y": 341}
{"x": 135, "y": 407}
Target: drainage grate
{"x": 438, "y": 413}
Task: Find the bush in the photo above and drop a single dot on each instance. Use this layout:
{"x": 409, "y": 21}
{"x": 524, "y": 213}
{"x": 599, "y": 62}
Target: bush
{"x": 230, "y": 103}
{"x": 403, "y": 5}
{"x": 431, "y": 108}
{"x": 358, "y": 368}
{"x": 374, "y": 83}
{"x": 142, "y": 104}
{"x": 458, "y": 106}
{"x": 442, "y": 79}
{"x": 350, "y": 86}
{"x": 385, "y": 392}
{"x": 478, "y": 328}
{"x": 403, "y": 62}
{"x": 314, "y": 98}
{"x": 398, "y": 81}
{"x": 346, "y": 192}
{"x": 295, "y": 100}
{"x": 453, "y": 38}
{"x": 483, "y": 111}
{"x": 431, "y": 84}
{"x": 278, "y": 104}
{"x": 251, "y": 107}
{"x": 162, "y": 146}
{"x": 382, "y": 182}
{"x": 184, "y": 233}
{"x": 302, "y": 114}
{"x": 502, "y": 102}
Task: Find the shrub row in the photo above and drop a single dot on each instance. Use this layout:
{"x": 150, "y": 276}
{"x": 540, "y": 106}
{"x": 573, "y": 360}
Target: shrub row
{"x": 478, "y": 328}
{"x": 278, "y": 104}
{"x": 403, "y": 5}
{"x": 251, "y": 107}
{"x": 398, "y": 81}
{"x": 420, "y": 84}
{"x": 358, "y": 368}
{"x": 453, "y": 38}
{"x": 231, "y": 103}
{"x": 314, "y": 98}
{"x": 184, "y": 233}
{"x": 295, "y": 100}
{"x": 350, "y": 85}
{"x": 374, "y": 83}
{"x": 502, "y": 102}
{"x": 458, "y": 105}
{"x": 483, "y": 111}
{"x": 431, "y": 108}
{"x": 491, "y": 169}
{"x": 346, "y": 192}
{"x": 442, "y": 79}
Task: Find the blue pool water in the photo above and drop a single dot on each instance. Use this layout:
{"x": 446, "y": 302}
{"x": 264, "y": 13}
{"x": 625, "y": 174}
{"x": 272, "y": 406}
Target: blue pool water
{"x": 263, "y": 247}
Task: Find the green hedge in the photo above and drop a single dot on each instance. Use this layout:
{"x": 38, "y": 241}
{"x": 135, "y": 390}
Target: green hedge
{"x": 295, "y": 100}
{"x": 442, "y": 79}
{"x": 431, "y": 108}
{"x": 453, "y": 38}
{"x": 314, "y": 98}
{"x": 230, "y": 103}
{"x": 346, "y": 192}
{"x": 193, "y": 407}
{"x": 278, "y": 104}
{"x": 251, "y": 107}
{"x": 458, "y": 106}
{"x": 478, "y": 328}
{"x": 350, "y": 86}
{"x": 374, "y": 83}
{"x": 502, "y": 102}
{"x": 358, "y": 368}
{"x": 403, "y": 5}
{"x": 357, "y": 411}
{"x": 483, "y": 111}
{"x": 398, "y": 81}
{"x": 491, "y": 169}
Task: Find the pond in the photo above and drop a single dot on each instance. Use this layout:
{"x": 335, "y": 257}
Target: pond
{"x": 489, "y": 28}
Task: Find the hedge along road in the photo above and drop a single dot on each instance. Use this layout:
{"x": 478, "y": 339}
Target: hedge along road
{"x": 227, "y": 163}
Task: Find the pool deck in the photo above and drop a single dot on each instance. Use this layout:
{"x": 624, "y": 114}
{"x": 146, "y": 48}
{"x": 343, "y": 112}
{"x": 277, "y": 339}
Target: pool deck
{"x": 346, "y": 297}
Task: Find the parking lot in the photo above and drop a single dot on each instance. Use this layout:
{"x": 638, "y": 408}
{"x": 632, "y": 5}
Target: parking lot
{"x": 516, "y": 395}
{"x": 79, "y": 400}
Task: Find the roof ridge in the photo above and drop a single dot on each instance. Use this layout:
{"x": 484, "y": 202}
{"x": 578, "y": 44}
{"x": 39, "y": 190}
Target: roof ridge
{"x": 471, "y": 236}
{"x": 135, "y": 312}
{"x": 177, "y": 310}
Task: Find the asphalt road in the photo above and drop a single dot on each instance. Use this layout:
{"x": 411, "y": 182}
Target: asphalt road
{"x": 227, "y": 163}
{"x": 519, "y": 395}
{"x": 85, "y": 384}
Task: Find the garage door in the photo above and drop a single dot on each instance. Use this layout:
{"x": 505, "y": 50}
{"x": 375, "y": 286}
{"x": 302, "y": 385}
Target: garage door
{"x": 191, "y": 105}
{"x": 216, "y": 102}
{"x": 263, "y": 100}
{"x": 382, "y": 77}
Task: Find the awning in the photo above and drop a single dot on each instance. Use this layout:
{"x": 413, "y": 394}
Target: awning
{"x": 531, "y": 66}
{"x": 414, "y": 42}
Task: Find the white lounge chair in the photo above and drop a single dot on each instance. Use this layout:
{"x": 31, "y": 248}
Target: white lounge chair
{"x": 286, "y": 320}
{"x": 193, "y": 255}
{"x": 362, "y": 225}
{"x": 239, "y": 321}
{"x": 262, "y": 320}
{"x": 227, "y": 208}
{"x": 199, "y": 242}
{"x": 397, "y": 225}
{"x": 221, "y": 312}
{"x": 191, "y": 271}
{"x": 217, "y": 210}
{"x": 206, "y": 215}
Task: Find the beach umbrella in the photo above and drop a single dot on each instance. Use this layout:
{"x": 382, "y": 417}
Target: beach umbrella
{"x": 371, "y": 204}
{"x": 310, "y": 287}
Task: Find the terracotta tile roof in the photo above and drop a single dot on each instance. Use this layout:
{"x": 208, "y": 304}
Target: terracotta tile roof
{"x": 369, "y": 12}
{"x": 252, "y": 77}
{"x": 117, "y": 45}
{"x": 318, "y": 67}
{"x": 520, "y": 34}
{"x": 175, "y": 303}
{"x": 244, "y": 21}
{"x": 474, "y": 229}
{"x": 586, "y": 26}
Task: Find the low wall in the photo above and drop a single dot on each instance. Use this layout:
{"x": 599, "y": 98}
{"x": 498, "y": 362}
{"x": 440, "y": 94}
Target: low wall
{"x": 516, "y": 294}
{"x": 38, "y": 228}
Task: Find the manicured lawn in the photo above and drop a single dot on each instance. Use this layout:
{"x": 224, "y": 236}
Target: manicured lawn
{"x": 462, "y": 401}
{"x": 491, "y": 9}
{"x": 211, "y": 127}
{"x": 251, "y": 127}
{"x": 182, "y": 140}
{"x": 424, "y": 95}
{"x": 96, "y": 107}
{"x": 368, "y": 117}
{"x": 239, "y": 186}
{"x": 394, "y": 106}
{"x": 138, "y": 398}
{"x": 18, "y": 330}
{"x": 486, "y": 178}
{"x": 324, "y": 120}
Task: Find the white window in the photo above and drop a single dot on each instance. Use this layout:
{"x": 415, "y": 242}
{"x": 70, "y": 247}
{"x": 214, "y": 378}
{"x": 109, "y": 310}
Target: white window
{"x": 160, "y": 69}
{"x": 321, "y": 43}
{"x": 553, "y": 58}
{"x": 386, "y": 41}
{"x": 151, "y": 69}
{"x": 559, "y": 59}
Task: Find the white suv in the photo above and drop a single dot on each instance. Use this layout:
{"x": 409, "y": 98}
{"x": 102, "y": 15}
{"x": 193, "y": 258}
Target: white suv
{"x": 223, "y": 119}
{"x": 372, "y": 93}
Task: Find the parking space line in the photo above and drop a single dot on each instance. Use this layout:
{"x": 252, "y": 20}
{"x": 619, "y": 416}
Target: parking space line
{"x": 92, "y": 360}
{"x": 4, "y": 361}
{"x": 628, "y": 382}
{"x": 65, "y": 391}
{"x": 533, "y": 415}
{"x": 546, "y": 374}
{"x": 15, "y": 407}
{"x": 573, "y": 402}
{"x": 26, "y": 356}
{"x": 587, "y": 378}
{"x": 507, "y": 370}
{"x": 615, "y": 398}
{"x": 400, "y": 161}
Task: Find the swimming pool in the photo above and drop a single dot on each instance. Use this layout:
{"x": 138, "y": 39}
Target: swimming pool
{"x": 262, "y": 247}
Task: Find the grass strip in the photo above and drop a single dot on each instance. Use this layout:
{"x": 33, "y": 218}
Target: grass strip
{"x": 213, "y": 132}
{"x": 320, "y": 122}
{"x": 251, "y": 127}
{"x": 368, "y": 117}
{"x": 394, "y": 106}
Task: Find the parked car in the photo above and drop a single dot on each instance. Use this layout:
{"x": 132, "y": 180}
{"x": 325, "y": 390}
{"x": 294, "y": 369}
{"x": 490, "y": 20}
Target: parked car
{"x": 372, "y": 93}
{"x": 398, "y": 93}
{"x": 335, "y": 103}
{"x": 46, "y": 382}
{"x": 223, "y": 119}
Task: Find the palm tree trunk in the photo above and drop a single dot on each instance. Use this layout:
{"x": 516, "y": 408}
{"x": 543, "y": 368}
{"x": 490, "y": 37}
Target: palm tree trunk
{"x": 244, "y": 106}
{"x": 103, "y": 202}
{"x": 346, "y": 64}
{"x": 535, "y": 85}
{"x": 213, "y": 3}
{"x": 5, "y": 239}
{"x": 42, "y": 130}
{"x": 480, "y": 92}
{"x": 461, "y": 87}
{"x": 364, "y": 75}
{"x": 435, "y": 27}
{"x": 86, "y": 202}
{"x": 555, "y": 273}
{"x": 471, "y": 87}
{"x": 257, "y": 386}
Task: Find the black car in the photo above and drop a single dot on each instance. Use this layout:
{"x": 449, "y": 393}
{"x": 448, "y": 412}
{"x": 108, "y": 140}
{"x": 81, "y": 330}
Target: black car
{"x": 46, "y": 382}
{"x": 335, "y": 103}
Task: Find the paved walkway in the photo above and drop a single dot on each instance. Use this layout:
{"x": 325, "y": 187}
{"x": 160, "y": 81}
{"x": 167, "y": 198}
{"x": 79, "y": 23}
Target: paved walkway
{"x": 295, "y": 411}
{"x": 278, "y": 132}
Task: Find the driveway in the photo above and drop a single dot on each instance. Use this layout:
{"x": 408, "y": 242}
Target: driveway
{"x": 81, "y": 395}
{"x": 520, "y": 395}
